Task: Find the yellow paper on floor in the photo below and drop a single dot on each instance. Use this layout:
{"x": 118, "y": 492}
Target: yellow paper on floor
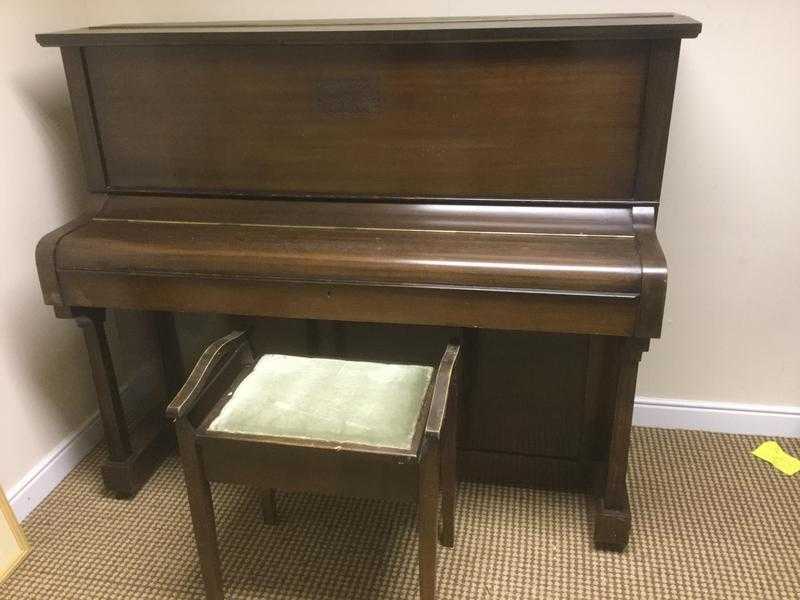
{"x": 774, "y": 454}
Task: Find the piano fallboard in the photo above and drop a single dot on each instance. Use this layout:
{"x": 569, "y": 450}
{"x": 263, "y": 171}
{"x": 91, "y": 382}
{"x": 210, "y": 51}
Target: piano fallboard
{"x": 496, "y": 266}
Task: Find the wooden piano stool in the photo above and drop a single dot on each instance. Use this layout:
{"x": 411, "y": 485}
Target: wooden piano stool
{"x": 293, "y": 423}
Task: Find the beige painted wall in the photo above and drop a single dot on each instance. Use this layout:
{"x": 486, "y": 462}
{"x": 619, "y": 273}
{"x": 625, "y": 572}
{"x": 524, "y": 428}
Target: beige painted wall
{"x": 45, "y": 389}
{"x": 731, "y": 200}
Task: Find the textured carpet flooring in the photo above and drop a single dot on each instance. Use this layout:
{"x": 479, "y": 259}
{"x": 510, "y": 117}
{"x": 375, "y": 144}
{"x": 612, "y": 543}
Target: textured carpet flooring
{"x": 710, "y": 522}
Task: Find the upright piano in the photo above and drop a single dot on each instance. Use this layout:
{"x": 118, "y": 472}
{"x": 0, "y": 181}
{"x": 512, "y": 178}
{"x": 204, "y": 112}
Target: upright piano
{"x": 375, "y": 187}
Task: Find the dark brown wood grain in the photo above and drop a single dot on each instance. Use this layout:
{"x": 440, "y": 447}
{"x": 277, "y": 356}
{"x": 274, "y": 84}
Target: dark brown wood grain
{"x": 46, "y": 253}
{"x": 612, "y": 519}
{"x": 428, "y": 494}
{"x": 527, "y": 394}
{"x": 586, "y": 263}
{"x": 477, "y": 215}
{"x": 542, "y": 472}
{"x": 92, "y": 323}
{"x": 392, "y": 31}
{"x": 654, "y": 273}
{"x": 526, "y": 268}
{"x": 374, "y": 120}
{"x": 133, "y": 451}
{"x": 83, "y": 108}
{"x": 365, "y": 303}
{"x": 201, "y": 505}
{"x": 662, "y": 71}
{"x": 172, "y": 364}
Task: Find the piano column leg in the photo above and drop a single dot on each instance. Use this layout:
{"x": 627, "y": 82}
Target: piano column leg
{"x": 613, "y": 518}
{"x": 133, "y": 455}
{"x": 112, "y": 415}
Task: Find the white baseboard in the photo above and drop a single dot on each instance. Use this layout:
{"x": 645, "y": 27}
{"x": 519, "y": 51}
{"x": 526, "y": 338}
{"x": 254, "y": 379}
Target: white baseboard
{"x": 722, "y": 417}
{"x": 37, "y": 484}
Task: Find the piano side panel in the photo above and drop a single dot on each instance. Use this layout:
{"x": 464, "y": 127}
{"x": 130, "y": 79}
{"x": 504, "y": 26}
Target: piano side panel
{"x": 516, "y": 120}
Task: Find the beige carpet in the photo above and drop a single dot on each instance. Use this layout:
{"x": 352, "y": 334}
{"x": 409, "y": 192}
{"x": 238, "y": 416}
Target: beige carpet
{"x": 710, "y": 522}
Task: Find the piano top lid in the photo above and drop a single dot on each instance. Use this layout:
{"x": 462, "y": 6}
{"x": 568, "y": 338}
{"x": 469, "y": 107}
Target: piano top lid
{"x": 411, "y": 30}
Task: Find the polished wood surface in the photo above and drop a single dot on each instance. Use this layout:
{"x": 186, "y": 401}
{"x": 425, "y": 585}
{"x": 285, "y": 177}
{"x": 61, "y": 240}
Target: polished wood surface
{"x": 523, "y": 267}
{"x": 372, "y": 121}
{"x": 414, "y": 30}
{"x": 346, "y": 302}
{"x": 477, "y": 215}
{"x": 105, "y": 383}
{"x": 135, "y": 446}
{"x": 606, "y": 264}
{"x": 497, "y": 180}
{"x": 526, "y": 394}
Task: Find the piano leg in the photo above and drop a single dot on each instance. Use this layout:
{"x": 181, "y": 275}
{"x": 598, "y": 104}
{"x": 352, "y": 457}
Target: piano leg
{"x": 613, "y": 519}
{"x": 132, "y": 454}
{"x": 92, "y": 323}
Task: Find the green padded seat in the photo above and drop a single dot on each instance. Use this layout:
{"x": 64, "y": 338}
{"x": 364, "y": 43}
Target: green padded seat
{"x": 329, "y": 400}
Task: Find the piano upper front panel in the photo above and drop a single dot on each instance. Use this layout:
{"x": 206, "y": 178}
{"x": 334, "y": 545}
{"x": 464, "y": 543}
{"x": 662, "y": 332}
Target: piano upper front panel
{"x": 554, "y": 120}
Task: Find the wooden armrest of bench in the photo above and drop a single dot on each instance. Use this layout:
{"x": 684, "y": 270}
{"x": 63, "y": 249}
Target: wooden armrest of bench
{"x": 442, "y": 389}
{"x": 204, "y": 372}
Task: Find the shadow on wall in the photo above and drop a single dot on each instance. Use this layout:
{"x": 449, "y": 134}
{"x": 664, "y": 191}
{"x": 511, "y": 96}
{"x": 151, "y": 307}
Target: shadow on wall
{"x": 43, "y": 95}
{"x": 44, "y": 359}
{"x": 52, "y": 360}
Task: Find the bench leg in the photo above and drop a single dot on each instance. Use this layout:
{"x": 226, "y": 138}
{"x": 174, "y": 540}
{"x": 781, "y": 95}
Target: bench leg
{"x": 268, "y": 512}
{"x": 449, "y": 477}
{"x": 201, "y": 506}
{"x": 427, "y": 522}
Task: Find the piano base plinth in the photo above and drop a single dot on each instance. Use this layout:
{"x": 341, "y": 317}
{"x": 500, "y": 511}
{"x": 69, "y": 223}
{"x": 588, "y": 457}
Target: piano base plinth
{"x": 505, "y": 468}
{"x": 153, "y": 441}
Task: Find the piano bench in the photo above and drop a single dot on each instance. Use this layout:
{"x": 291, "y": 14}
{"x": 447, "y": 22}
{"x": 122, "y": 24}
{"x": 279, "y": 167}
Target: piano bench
{"x": 296, "y": 423}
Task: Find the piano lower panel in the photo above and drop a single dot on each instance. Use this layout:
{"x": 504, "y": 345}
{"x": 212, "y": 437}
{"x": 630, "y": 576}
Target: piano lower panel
{"x": 546, "y": 472}
{"x": 455, "y": 307}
